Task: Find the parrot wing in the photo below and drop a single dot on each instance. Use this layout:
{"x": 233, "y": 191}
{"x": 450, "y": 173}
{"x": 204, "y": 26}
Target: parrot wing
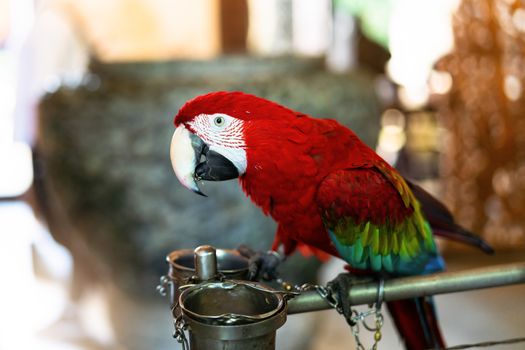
{"x": 443, "y": 223}
{"x": 375, "y": 222}
{"x": 436, "y": 214}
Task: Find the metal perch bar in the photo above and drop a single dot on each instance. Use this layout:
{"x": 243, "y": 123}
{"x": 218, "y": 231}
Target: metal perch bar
{"x": 418, "y": 286}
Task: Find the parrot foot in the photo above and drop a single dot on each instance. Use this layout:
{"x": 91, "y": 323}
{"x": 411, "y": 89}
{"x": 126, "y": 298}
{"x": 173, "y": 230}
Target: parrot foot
{"x": 261, "y": 264}
{"x": 339, "y": 289}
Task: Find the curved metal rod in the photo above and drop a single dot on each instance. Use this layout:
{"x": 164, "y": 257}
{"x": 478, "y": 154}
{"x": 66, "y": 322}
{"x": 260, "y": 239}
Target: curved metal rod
{"x": 418, "y": 286}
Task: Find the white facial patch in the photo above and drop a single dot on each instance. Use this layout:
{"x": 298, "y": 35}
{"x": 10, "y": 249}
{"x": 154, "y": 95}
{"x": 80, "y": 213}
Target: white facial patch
{"x": 223, "y": 134}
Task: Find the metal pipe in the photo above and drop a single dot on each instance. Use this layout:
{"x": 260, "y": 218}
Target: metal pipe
{"x": 418, "y": 286}
{"x": 205, "y": 262}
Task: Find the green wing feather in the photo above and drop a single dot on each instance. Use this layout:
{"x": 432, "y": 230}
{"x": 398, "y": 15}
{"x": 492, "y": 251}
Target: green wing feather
{"x": 375, "y": 222}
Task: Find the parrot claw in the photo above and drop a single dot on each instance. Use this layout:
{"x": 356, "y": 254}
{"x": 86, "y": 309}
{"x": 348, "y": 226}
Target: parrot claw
{"x": 261, "y": 264}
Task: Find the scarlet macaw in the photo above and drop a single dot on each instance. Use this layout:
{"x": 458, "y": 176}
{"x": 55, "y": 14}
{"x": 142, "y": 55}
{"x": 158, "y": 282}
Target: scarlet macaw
{"x": 325, "y": 188}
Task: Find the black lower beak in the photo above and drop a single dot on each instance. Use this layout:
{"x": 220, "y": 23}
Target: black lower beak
{"x": 215, "y": 167}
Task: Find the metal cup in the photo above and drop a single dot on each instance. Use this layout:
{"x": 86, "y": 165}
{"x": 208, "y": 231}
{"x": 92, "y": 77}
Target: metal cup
{"x": 230, "y": 264}
{"x": 232, "y": 315}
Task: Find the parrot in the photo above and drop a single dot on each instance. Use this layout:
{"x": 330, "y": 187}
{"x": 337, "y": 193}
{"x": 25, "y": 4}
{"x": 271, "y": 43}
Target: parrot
{"x": 329, "y": 193}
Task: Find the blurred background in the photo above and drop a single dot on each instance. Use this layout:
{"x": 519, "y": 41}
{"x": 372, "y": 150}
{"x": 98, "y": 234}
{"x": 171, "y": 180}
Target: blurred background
{"x": 89, "y": 205}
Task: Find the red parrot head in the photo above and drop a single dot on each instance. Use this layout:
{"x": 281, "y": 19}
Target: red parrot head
{"x": 209, "y": 142}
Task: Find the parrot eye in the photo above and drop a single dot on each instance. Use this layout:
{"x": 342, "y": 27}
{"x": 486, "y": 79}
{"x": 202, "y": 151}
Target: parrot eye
{"x": 219, "y": 121}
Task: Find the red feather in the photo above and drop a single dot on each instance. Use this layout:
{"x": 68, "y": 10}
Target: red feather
{"x": 236, "y": 104}
{"x": 364, "y": 194}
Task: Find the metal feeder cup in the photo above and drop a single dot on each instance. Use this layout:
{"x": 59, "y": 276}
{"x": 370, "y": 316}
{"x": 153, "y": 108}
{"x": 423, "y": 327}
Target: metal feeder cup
{"x": 233, "y": 315}
{"x": 230, "y": 264}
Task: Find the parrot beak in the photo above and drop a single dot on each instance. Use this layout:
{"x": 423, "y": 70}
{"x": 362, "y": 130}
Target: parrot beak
{"x": 186, "y": 152}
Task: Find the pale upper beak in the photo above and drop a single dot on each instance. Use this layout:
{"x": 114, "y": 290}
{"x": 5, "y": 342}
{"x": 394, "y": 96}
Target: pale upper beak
{"x": 184, "y": 158}
{"x": 186, "y": 152}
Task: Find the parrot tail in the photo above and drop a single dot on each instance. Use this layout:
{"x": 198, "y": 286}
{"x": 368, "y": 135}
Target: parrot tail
{"x": 442, "y": 221}
{"x": 417, "y": 323}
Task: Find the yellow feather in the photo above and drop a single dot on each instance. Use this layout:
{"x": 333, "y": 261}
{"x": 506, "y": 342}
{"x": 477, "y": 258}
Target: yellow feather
{"x": 395, "y": 242}
{"x": 384, "y": 243}
{"x": 365, "y": 235}
{"x": 403, "y": 252}
{"x": 375, "y": 241}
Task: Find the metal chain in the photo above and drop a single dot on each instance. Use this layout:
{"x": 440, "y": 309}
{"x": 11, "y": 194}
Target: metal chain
{"x": 355, "y": 333}
{"x": 179, "y": 323}
{"x": 360, "y": 317}
{"x": 180, "y": 327}
{"x": 356, "y": 318}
